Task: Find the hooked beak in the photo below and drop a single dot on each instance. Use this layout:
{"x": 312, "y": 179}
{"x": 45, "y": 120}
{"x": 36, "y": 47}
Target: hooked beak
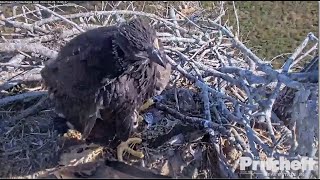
{"x": 153, "y": 53}
{"x": 155, "y": 56}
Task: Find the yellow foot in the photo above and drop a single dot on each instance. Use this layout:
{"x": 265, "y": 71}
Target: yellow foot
{"x": 146, "y": 105}
{"x": 124, "y": 147}
{"x": 140, "y": 118}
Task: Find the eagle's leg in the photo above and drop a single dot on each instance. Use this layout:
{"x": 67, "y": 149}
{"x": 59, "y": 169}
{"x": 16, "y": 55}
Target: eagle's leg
{"x": 146, "y": 105}
{"x": 124, "y": 147}
{"x": 140, "y": 118}
{"x": 88, "y": 127}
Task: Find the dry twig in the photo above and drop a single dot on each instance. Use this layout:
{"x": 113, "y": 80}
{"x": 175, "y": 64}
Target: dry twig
{"x": 238, "y": 89}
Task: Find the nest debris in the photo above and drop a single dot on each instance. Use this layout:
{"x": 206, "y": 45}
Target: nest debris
{"x": 219, "y": 106}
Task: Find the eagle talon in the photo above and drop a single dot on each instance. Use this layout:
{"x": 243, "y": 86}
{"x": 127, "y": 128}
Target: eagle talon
{"x": 140, "y": 118}
{"x": 146, "y": 105}
{"x": 124, "y": 147}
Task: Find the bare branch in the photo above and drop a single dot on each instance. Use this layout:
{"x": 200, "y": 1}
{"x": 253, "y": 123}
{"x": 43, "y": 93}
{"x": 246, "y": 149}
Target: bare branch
{"x": 19, "y": 97}
{"x": 61, "y": 17}
{"x": 29, "y": 27}
{"x": 32, "y": 47}
{"x": 88, "y": 14}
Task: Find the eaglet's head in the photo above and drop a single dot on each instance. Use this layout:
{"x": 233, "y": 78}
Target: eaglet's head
{"x": 139, "y": 37}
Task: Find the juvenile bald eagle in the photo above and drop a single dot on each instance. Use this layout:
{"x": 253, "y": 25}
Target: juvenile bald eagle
{"x": 103, "y": 76}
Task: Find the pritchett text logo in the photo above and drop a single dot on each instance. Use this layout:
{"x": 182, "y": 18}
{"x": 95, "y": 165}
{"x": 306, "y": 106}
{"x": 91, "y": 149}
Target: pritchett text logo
{"x": 275, "y": 165}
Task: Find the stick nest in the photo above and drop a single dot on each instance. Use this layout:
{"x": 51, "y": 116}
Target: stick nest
{"x": 223, "y": 101}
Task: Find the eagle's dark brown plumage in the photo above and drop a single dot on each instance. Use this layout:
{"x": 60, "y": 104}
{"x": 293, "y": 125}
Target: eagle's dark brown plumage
{"x": 101, "y": 77}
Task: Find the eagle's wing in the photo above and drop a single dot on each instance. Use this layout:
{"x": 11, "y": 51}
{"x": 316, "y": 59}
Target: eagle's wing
{"x": 81, "y": 62}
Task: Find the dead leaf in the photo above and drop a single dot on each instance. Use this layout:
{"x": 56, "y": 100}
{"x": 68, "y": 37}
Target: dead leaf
{"x": 81, "y": 154}
{"x": 165, "y": 170}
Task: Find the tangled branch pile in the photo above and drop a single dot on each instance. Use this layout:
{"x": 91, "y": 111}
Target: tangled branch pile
{"x": 248, "y": 108}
